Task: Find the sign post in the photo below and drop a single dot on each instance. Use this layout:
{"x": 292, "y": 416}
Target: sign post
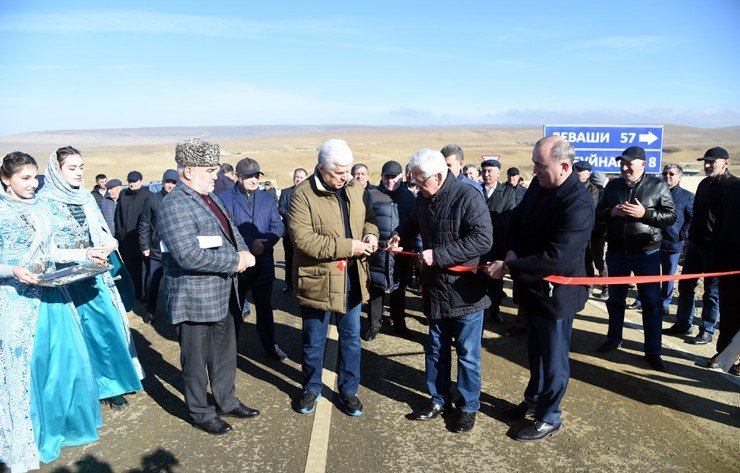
{"x": 601, "y": 144}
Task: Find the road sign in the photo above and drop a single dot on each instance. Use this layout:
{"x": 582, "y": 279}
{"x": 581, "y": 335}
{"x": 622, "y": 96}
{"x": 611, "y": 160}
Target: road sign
{"x": 601, "y": 144}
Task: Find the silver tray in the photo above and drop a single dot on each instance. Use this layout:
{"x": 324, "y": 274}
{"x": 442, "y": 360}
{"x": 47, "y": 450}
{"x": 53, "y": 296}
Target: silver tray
{"x": 72, "y": 274}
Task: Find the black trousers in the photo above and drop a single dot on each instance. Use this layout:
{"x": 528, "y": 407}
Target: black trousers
{"x": 397, "y": 306}
{"x": 134, "y": 262}
{"x": 153, "y": 280}
{"x": 729, "y": 307}
{"x": 595, "y": 257}
{"x": 494, "y": 288}
{"x": 262, "y": 297}
{"x": 208, "y": 354}
{"x": 288, "y": 248}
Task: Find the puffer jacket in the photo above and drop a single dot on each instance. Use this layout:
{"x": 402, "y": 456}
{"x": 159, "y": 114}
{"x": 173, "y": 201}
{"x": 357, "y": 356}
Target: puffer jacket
{"x": 636, "y": 235}
{"x": 455, "y": 223}
{"x": 317, "y": 229}
{"x": 388, "y": 271}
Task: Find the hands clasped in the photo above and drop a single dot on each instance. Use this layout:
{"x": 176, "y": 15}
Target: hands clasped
{"x": 625, "y": 209}
{"x": 246, "y": 260}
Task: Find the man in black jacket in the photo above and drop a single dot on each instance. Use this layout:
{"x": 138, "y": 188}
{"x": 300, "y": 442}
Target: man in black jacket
{"x": 594, "y": 252}
{"x": 500, "y": 200}
{"x": 131, "y": 204}
{"x": 299, "y": 175}
{"x": 709, "y": 196}
{"x": 635, "y": 207}
{"x": 548, "y": 234}
{"x": 392, "y": 203}
{"x": 149, "y": 241}
{"x": 456, "y": 230}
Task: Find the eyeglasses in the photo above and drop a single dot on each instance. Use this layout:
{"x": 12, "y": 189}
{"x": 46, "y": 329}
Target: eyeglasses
{"x": 665, "y": 174}
{"x": 422, "y": 182}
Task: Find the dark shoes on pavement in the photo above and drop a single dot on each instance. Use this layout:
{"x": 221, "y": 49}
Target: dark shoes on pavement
{"x": 635, "y": 305}
{"x": 536, "y": 431}
{"x": 676, "y": 330}
{"x": 287, "y": 289}
{"x": 656, "y": 362}
{"x": 428, "y": 413}
{"x": 519, "y": 412}
{"x": 371, "y": 334}
{"x": 403, "y": 331}
{"x": 116, "y": 403}
{"x": 241, "y": 412}
{"x": 465, "y": 422}
{"x": 307, "y": 403}
{"x": 148, "y": 317}
{"x": 702, "y": 338}
{"x": 351, "y": 404}
{"x": 215, "y": 426}
{"x": 712, "y": 362}
{"x": 608, "y": 346}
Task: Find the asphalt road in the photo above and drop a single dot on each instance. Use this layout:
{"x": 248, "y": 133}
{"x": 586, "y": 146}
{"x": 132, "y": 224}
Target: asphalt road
{"x": 619, "y": 415}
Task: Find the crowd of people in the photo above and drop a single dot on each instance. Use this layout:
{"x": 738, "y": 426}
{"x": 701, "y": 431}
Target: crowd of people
{"x": 449, "y": 228}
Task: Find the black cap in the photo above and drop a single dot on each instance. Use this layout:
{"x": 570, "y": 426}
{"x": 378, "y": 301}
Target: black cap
{"x": 170, "y": 175}
{"x": 582, "y": 166}
{"x": 113, "y": 183}
{"x": 715, "y": 154}
{"x": 248, "y": 167}
{"x": 391, "y": 167}
{"x": 134, "y": 176}
{"x": 512, "y": 172}
{"x": 632, "y": 153}
{"x": 488, "y": 163}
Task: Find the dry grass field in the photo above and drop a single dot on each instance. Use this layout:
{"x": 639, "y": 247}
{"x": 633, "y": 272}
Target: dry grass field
{"x": 280, "y": 149}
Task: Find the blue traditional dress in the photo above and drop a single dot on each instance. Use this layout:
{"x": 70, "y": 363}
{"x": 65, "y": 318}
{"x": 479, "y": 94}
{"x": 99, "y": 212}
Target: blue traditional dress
{"x": 48, "y": 395}
{"x": 78, "y": 223}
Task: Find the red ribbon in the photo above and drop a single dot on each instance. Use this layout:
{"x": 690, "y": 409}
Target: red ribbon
{"x": 456, "y": 269}
{"x": 570, "y": 281}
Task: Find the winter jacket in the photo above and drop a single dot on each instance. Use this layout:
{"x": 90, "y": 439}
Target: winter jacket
{"x": 456, "y": 225}
{"x": 316, "y": 225}
{"x": 636, "y": 235}
{"x": 148, "y": 234}
{"x": 708, "y": 198}
{"x": 676, "y": 234}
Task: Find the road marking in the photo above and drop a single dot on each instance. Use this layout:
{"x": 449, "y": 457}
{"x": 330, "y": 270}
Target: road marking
{"x": 318, "y": 446}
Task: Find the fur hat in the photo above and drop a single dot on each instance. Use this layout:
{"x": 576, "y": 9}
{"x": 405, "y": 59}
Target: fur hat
{"x": 198, "y": 153}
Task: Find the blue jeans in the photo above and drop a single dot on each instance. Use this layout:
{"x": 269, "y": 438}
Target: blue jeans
{"x": 642, "y": 264}
{"x": 548, "y": 347}
{"x": 467, "y": 331}
{"x": 668, "y": 264}
{"x": 698, "y": 260}
{"x": 315, "y": 326}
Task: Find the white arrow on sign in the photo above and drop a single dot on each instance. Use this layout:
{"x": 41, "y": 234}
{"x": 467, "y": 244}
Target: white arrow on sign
{"x": 648, "y": 137}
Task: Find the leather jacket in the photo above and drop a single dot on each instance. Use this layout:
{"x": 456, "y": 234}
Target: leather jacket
{"x": 636, "y": 235}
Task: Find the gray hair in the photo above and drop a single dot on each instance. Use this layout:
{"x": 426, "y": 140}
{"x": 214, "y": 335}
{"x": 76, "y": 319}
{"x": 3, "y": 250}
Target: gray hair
{"x": 560, "y": 151}
{"x": 451, "y": 149}
{"x": 429, "y": 162}
{"x": 469, "y": 166}
{"x": 335, "y": 152}
{"x": 668, "y": 167}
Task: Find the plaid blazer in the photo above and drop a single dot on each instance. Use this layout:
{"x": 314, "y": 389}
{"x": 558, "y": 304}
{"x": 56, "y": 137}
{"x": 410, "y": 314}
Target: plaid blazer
{"x": 198, "y": 280}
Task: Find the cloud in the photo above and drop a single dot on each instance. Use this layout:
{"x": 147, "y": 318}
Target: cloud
{"x": 125, "y": 21}
{"x": 623, "y": 43}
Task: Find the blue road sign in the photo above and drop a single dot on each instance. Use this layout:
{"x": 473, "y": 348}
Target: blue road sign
{"x": 601, "y": 144}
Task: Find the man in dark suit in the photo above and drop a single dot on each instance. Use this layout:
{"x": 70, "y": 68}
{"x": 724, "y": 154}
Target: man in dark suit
{"x": 548, "y": 234}
{"x": 201, "y": 253}
{"x": 500, "y": 200}
{"x": 131, "y": 204}
{"x": 254, "y": 212}
{"x": 299, "y": 175}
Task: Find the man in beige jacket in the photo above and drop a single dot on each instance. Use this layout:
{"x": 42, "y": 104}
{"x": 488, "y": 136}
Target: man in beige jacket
{"x": 333, "y": 229}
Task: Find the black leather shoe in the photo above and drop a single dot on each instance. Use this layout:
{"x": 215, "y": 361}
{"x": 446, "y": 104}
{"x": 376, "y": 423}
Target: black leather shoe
{"x": 608, "y": 346}
{"x": 656, "y": 362}
{"x": 519, "y": 412}
{"x": 465, "y": 422}
{"x": 676, "y": 330}
{"x": 371, "y": 334}
{"x": 702, "y": 338}
{"x": 635, "y": 305}
{"x": 287, "y": 289}
{"x": 536, "y": 431}
{"x": 215, "y": 426}
{"x": 148, "y": 317}
{"x": 428, "y": 413}
{"x": 241, "y": 412}
{"x": 403, "y": 332}
{"x": 712, "y": 362}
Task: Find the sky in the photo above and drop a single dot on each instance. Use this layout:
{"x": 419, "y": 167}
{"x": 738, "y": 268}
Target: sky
{"x": 86, "y": 65}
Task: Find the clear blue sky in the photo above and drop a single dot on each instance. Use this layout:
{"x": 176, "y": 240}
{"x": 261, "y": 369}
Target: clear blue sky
{"x": 81, "y": 64}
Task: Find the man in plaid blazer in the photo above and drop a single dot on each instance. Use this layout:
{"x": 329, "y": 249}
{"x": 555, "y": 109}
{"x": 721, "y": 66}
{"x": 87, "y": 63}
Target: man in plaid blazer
{"x": 201, "y": 253}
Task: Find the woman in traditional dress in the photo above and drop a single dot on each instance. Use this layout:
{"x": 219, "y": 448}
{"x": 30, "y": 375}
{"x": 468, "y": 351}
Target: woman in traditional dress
{"x": 48, "y": 395}
{"x": 78, "y": 223}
